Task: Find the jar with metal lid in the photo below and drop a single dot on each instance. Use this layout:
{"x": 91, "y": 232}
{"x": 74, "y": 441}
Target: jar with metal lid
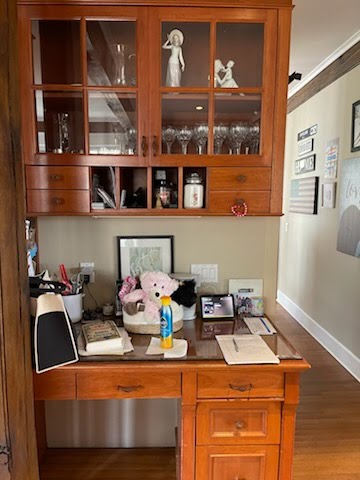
{"x": 193, "y": 191}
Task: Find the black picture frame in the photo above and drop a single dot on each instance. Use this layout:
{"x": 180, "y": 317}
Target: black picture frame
{"x": 140, "y": 253}
{"x": 355, "y": 127}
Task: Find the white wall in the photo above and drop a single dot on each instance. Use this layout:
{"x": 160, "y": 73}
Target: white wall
{"x": 242, "y": 248}
{"x": 317, "y": 284}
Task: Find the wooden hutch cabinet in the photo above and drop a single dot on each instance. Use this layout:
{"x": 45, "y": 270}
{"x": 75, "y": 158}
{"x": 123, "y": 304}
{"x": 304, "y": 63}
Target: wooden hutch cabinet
{"x": 127, "y": 105}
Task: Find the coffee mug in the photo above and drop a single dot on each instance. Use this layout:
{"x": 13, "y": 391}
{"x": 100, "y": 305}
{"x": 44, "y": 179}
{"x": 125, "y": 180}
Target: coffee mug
{"x": 74, "y": 306}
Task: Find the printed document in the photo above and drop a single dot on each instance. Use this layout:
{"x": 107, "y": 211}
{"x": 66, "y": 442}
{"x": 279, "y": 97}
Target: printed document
{"x": 245, "y": 349}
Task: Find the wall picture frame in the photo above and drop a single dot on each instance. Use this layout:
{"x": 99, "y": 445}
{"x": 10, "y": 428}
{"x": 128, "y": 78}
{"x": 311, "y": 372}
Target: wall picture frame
{"x": 355, "y": 127}
{"x": 328, "y": 194}
{"x": 138, "y": 254}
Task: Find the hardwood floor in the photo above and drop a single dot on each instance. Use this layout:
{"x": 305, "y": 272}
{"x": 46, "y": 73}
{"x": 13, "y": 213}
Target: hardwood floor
{"x": 327, "y": 439}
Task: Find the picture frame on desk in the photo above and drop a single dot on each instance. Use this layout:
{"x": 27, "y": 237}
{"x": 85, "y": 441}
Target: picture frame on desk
{"x": 138, "y": 254}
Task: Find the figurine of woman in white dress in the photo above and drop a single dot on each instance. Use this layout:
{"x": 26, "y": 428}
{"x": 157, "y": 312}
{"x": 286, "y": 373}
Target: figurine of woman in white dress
{"x": 176, "y": 63}
{"x": 227, "y": 80}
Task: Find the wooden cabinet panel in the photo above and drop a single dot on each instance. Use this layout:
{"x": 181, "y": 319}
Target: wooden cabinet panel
{"x": 237, "y": 463}
{"x": 233, "y": 423}
{"x": 234, "y": 178}
{"x": 240, "y": 385}
{"x": 58, "y": 201}
{"x": 54, "y": 385}
{"x": 128, "y": 385}
{"x": 257, "y": 202}
{"x": 57, "y": 178}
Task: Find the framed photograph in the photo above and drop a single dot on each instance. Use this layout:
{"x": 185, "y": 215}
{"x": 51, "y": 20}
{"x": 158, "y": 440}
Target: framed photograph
{"x": 243, "y": 290}
{"x": 139, "y": 254}
{"x": 355, "y": 127}
{"x": 328, "y": 195}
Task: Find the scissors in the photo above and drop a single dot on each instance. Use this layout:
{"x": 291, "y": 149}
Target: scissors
{"x": 77, "y": 281}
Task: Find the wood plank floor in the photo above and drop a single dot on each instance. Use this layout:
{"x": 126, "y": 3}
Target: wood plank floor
{"x": 327, "y": 440}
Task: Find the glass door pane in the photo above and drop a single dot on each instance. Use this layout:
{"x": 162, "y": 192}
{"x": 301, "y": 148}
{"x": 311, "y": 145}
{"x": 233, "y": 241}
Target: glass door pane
{"x": 184, "y": 123}
{"x": 56, "y": 52}
{"x": 59, "y": 122}
{"x": 237, "y": 123}
{"x": 185, "y": 54}
{"x": 239, "y": 55}
{"x": 111, "y": 53}
{"x": 112, "y": 123}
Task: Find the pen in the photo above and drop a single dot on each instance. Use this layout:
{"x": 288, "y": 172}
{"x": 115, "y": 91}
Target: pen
{"x": 235, "y": 345}
{"x": 265, "y": 325}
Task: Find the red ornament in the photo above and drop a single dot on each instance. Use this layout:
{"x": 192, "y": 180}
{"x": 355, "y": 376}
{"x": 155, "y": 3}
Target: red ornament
{"x": 239, "y": 210}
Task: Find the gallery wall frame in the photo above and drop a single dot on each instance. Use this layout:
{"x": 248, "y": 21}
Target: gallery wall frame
{"x": 355, "y": 127}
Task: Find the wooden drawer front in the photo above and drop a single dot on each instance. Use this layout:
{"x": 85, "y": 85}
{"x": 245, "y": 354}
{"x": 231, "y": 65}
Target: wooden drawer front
{"x": 128, "y": 385}
{"x": 57, "y": 178}
{"x": 246, "y": 178}
{"x": 54, "y": 385}
{"x": 257, "y": 202}
{"x": 237, "y": 463}
{"x": 231, "y": 423}
{"x": 240, "y": 385}
{"x": 58, "y": 201}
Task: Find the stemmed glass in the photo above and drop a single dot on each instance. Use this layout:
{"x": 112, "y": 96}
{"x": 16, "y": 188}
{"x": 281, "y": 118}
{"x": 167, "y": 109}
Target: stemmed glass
{"x": 168, "y": 136}
{"x": 253, "y": 138}
{"x": 237, "y": 134}
{"x": 220, "y": 133}
{"x": 200, "y": 136}
{"x": 131, "y": 139}
{"x": 183, "y": 135}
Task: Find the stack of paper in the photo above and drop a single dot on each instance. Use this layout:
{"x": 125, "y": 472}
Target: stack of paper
{"x": 245, "y": 349}
{"x": 259, "y": 325}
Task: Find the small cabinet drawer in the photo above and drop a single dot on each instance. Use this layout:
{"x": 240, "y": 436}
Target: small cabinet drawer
{"x": 54, "y": 385}
{"x": 238, "y": 422}
{"x": 127, "y": 385}
{"x": 241, "y": 385}
{"x": 246, "y": 178}
{"x": 237, "y": 463}
{"x": 57, "y": 178}
{"x": 58, "y": 201}
{"x": 221, "y": 202}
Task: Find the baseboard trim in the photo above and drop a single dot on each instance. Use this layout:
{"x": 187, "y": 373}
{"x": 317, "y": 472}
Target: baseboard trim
{"x": 342, "y": 354}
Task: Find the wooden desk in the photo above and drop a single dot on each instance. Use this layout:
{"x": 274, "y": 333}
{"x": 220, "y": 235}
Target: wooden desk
{"x": 235, "y": 422}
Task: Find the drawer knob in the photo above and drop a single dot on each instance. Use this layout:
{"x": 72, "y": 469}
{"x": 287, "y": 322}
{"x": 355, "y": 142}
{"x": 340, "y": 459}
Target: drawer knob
{"x": 241, "y": 178}
{"x": 57, "y": 201}
{"x": 56, "y": 177}
{"x": 129, "y": 388}
{"x": 239, "y": 425}
{"x": 241, "y": 388}
{"x": 238, "y": 478}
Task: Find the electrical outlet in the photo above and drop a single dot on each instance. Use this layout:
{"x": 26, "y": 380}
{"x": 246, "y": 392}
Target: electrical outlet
{"x": 88, "y": 270}
{"x": 208, "y": 272}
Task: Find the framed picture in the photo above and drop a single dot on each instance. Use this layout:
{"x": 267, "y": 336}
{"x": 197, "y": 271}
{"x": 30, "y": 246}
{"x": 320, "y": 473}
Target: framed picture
{"x": 328, "y": 195}
{"x": 243, "y": 290}
{"x": 139, "y": 254}
{"x": 355, "y": 127}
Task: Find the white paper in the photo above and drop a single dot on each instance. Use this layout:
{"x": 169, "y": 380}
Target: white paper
{"x": 178, "y": 350}
{"x": 259, "y": 325}
{"x": 245, "y": 349}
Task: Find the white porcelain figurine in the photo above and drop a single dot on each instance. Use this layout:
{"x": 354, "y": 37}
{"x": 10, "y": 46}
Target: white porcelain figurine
{"x": 227, "y": 80}
{"x": 176, "y": 64}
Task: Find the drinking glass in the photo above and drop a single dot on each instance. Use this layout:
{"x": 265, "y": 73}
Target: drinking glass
{"x": 221, "y": 131}
{"x": 183, "y": 135}
{"x": 200, "y": 136}
{"x": 237, "y": 135}
{"x": 253, "y": 138}
{"x": 131, "y": 139}
{"x": 168, "y": 136}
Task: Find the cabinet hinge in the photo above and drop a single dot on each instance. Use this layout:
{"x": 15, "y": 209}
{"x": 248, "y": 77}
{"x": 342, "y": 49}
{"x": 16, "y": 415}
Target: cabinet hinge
{"x": 4, "y": 450}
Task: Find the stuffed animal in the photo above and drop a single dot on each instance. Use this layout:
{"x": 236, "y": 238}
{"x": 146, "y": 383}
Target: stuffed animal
{"x": 154, "y": 285}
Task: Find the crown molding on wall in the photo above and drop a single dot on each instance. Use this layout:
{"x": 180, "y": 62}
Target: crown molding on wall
{"x": 342, "y": 354}
{"x": 350, "y": 42}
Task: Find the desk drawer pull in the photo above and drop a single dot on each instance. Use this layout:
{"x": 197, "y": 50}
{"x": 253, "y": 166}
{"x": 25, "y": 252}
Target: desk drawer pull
{"x": 238, "y": 478}
{"x": 241, "y": 388}
{"x": 241, "y": 178}
{"x": 239, "y": 425}
{"x": 129, "y": 388}
{"x": 57, "y": 201}
{"x": 56, "y": 177}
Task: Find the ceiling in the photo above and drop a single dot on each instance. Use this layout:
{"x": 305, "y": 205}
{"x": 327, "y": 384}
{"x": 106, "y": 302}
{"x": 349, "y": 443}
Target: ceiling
{"x": 321, "y": 31}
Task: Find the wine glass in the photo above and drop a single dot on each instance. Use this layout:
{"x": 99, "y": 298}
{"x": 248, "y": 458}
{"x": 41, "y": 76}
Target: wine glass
{"x": 131, "y": 140}
{"x": 220, "y": 133}
{"x": 200, "y": 136}
{"x": 237, "y": 134}
{"x": 253, "y": 138}
{"x": 183, "y": 135}
{"x": 168, "y": 136}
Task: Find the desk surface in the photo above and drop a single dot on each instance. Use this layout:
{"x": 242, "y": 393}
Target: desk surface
{"x": 202, "y": 344}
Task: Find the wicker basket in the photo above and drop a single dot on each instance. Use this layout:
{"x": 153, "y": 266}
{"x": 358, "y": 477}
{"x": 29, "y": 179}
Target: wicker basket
{"x": 136, "y": 323}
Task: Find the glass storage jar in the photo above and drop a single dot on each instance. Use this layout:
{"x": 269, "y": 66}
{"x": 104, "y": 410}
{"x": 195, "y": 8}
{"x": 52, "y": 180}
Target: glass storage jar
{"x": 194, "y": 191}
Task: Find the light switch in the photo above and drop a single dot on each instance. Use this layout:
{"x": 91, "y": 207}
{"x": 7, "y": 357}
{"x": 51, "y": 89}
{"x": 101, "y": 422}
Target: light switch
{"x": 208, "y": 272}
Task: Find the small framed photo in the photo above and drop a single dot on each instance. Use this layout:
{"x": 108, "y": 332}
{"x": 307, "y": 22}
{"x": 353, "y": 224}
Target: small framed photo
{"x": 138, "y": 254}
{"x": 355, "y": 127}
{"x": 328, "y": 195}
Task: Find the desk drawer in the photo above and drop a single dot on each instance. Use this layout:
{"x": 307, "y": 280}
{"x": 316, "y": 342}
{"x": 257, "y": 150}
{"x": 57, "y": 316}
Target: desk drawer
{"x": 238, "y": 422}
{"x": 240, "y": 385}
{"x": 58, "y": 201}
{"x": 239, "y": 178}
{"x": 257, "y": 202}
{"x": 127, "y": 385}
{"x": 54, "y": 385}
{"x": 57, "y": 178}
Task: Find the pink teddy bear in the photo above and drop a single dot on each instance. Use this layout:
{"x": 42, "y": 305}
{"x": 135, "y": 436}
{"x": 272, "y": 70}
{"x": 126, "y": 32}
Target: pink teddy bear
{"x": 154, "y": 285}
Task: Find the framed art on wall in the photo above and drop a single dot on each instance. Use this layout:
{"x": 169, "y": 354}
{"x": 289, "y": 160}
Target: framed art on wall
{"x": 355, "y": 127}
{"x": 137, "y": 254}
